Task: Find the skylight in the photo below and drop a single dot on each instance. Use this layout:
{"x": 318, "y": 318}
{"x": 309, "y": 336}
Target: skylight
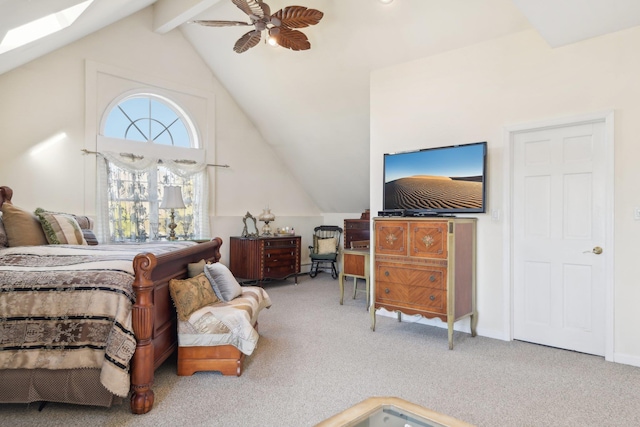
{"x": 42, "y": 27}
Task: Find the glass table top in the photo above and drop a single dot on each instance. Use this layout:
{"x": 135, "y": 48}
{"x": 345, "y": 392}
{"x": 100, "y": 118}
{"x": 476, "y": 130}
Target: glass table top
{"x": 390, "y": 412}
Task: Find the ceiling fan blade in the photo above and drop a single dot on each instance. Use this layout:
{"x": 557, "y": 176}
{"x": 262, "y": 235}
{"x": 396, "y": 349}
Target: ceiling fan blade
{"x": 298, "y": 16}
{"x": 252, "y": 7}
{"x": 247, "y": 41}
{"x": 209, "y": 23}
{"x": 265, "y": 9}
{"x": 292, "y": 39}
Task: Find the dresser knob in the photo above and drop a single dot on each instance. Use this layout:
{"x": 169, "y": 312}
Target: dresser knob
{"x": 432, "y": 298}
{"x": 432, "y": 278}
{"x": 386, "y": 290}
{"x": 386, "y": 273}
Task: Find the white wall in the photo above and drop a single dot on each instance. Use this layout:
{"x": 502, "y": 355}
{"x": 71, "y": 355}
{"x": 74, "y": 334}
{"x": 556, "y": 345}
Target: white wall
{"x": 47, "y": 96}
{"x": 471, "y": 94}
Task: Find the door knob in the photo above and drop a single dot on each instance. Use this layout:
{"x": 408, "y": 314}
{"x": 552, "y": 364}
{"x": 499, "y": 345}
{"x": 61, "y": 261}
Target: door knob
{"x": 596, "y": 250}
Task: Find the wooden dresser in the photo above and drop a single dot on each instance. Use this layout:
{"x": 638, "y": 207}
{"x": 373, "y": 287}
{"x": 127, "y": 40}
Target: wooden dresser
{"x": 355, "y": 229}
{"x": 426, "y": 266}
{"x": 265, "y": 257}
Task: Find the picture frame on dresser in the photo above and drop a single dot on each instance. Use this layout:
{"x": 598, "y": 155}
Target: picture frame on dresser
{"x": 250, "y": 228}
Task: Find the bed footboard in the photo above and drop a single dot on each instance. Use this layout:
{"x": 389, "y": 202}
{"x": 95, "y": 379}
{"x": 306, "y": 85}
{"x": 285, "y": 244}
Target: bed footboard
{"x": 154, "y": 317}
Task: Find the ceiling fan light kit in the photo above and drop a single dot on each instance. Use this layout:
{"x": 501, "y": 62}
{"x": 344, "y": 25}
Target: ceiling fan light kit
{"x": 279, "y": 26}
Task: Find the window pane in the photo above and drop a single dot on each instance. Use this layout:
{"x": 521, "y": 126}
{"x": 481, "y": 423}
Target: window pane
{"x": 116, "y": 124}
{"x": 180, "y": 135}
{"x": 136, "y": 109}
{"x": 144, "y": 118}
{"x": 161, "y": 134}
{"x": 135, "y": 129}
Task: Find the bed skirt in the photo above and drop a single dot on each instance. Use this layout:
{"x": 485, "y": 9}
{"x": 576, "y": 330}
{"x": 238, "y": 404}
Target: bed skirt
{"x": 81, "y": 387}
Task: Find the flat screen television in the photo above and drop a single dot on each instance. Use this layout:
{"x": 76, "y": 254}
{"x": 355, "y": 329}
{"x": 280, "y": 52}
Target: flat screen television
{"x": 436, "y": 181}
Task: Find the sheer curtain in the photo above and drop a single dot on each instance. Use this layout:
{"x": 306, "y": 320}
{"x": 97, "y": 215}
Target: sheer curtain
{"x": 130, "y": 190}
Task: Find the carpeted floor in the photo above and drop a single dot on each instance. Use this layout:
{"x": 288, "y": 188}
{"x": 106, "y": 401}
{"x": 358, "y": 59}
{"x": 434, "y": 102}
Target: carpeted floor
{"x": 316, "y": 358}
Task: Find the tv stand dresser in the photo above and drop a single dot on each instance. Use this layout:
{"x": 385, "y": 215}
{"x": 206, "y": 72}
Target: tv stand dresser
{"x": 426, "y": 266}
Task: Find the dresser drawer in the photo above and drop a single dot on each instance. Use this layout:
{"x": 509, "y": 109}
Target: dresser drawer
{"x": 277, "y": 272}
{"x": 427, "y": 277}
{"x": 391, "y": 238}
{"x": 415, "y": 297}
{"x": 356, "y": 224}
{"x": 279, "y": 243}
{"x": 429, "y": 239}
{"x": 279, "y": 256}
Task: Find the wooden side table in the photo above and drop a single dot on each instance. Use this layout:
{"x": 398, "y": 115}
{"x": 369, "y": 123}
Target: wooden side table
{"x": 355, "y": 263}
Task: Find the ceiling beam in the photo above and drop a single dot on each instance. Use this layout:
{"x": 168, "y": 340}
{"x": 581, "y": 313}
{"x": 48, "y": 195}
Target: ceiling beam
{"x": 168, "y": 14}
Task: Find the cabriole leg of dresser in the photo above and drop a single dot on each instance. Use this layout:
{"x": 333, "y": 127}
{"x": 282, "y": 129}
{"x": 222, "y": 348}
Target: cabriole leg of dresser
{"x": 474, "y": 323}
{"x": 373, "y": 318}
{"x": 450, "y": 331}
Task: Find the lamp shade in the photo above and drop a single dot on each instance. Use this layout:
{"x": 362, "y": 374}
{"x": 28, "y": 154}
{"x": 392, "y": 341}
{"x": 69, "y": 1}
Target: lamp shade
{"x": 266, "y": 215}
{"x": 172, "y": 198}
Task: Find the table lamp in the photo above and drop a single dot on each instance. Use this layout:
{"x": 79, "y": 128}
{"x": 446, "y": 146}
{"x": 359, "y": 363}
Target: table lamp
{"x": 266, "y": 216}
{"x": 172, "y": 200}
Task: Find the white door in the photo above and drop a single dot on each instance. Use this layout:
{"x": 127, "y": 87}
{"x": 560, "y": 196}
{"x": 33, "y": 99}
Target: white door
{"x": 558, "y": 230}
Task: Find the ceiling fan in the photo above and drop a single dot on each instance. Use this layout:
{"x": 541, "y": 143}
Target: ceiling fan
{"x": 279, "y": 26}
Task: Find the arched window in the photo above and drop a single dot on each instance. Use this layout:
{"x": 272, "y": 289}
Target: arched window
{"x": 150, "y": 118}
{"x": 148, "y": 142}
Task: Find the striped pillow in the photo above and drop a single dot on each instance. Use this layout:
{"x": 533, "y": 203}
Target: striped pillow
{"x": 60, "y": 228}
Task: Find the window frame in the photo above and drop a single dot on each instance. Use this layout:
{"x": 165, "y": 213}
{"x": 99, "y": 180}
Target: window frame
{"x": 151, "y": 149}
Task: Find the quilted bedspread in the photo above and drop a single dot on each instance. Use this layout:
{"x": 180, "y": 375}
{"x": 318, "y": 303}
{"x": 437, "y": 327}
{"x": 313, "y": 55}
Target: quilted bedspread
{"x": 67, "y": 307}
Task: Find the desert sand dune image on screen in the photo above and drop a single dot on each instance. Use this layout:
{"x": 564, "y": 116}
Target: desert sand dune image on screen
{"x": 434, "y": 192}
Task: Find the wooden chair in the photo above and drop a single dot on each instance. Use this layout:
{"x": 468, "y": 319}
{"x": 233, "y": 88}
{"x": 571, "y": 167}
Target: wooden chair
{"x": 325, "y": 249}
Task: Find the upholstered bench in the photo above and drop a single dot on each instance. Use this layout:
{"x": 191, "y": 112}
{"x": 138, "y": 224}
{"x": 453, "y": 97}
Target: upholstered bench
{"x": 217, "y": 321}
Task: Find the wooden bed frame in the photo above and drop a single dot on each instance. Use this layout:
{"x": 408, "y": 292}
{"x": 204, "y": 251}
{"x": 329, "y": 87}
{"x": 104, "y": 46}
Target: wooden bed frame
{"x": 153, "y": 315}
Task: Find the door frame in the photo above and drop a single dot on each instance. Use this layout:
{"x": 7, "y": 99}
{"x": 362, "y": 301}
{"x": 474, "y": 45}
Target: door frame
{"x": 606, "y": 117}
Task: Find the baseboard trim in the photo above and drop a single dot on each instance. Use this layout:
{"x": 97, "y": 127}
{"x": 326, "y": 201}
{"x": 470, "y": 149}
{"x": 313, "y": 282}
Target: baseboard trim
{"x": 626, "y": 359}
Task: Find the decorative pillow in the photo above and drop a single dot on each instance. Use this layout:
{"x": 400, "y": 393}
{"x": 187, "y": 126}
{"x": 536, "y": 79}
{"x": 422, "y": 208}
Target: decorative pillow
{"x": 90, "y": 237}
{"x": 3, "y": 234}
{"x": 327, "y": 246}
{"x": 60, "y": 228}
{"x": 222, "y": 279}
{"x": 191, "y": 294}
{"x": 22, "y": 227}
{"x": 195, "y": 268}
{"x": 86, "y": 224}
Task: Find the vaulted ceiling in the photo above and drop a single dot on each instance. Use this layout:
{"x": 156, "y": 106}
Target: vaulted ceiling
{"x": 315, "y": 104}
